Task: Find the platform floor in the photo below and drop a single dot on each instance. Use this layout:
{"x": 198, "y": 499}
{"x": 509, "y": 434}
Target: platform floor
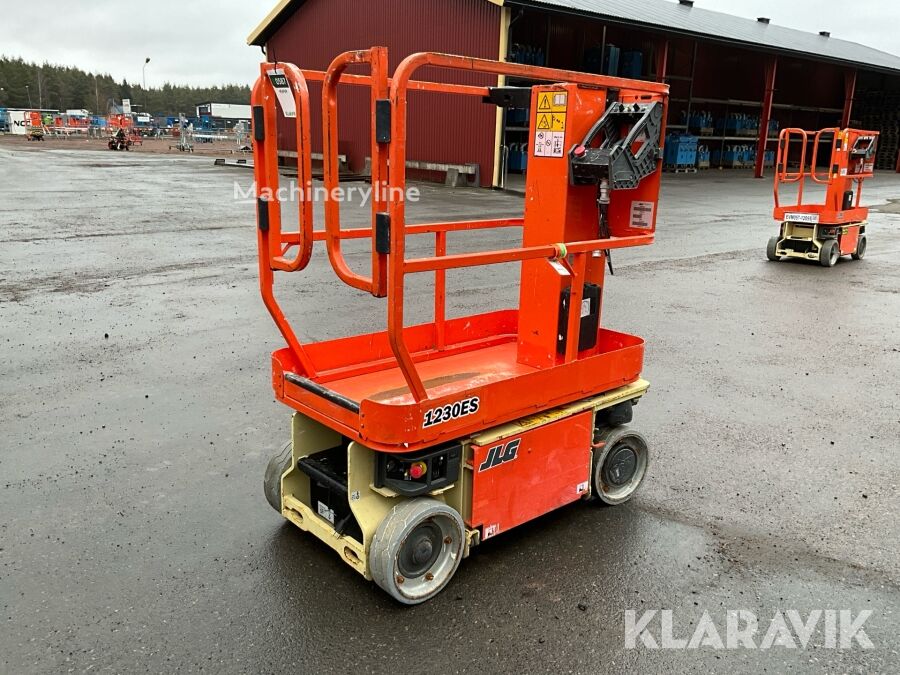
{"x": 441, "y": 377}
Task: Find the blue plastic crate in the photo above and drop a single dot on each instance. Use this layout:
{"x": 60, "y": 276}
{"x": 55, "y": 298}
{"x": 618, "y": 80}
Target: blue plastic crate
{"x": 680, "y": 150}
{"x": 632, "y": 64}
{"x": 518, "y": 156}
{"x": 611, "y": 60}
{"x": 593, "y": 60}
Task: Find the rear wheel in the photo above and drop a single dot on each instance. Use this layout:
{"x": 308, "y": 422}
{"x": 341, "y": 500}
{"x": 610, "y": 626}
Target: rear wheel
{"x": 274, "y": 470}
{"x": 417, "y": 549}
{"x": 860, "y": 252}
{"x": 771, "y": 247}
{"x": 620, "y": 461}
{"x": 829, "y": 253}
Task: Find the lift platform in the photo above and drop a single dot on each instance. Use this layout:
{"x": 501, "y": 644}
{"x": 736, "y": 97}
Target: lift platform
{"x": 826, "y": 230}
{"x": 413, "y": 444}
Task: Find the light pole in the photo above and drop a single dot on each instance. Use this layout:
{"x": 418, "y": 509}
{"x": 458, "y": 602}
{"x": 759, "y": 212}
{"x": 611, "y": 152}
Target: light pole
{"x": 28, "y": 90}
{"x": 144, "y": 78}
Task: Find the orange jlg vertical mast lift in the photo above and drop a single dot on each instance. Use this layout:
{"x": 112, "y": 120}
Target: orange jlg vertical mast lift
{"x": 413, "y": 444}
{"x": 836, "y": 226}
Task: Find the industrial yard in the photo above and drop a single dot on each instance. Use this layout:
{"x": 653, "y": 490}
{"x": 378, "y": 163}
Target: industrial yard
{"x": 450, "y": 336}
{"x": 213, "y": 148}
{"x": 138, "y": 417}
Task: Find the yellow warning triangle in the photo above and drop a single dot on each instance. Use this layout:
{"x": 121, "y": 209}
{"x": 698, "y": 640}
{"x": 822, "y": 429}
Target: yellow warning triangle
{"x": 543, "y": 122}
{"x": 545, "y": 103}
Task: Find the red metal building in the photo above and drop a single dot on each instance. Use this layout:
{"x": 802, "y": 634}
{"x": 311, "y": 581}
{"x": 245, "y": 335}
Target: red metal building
{"x": 721, "y": 65}
{"x": 442, "y": 128}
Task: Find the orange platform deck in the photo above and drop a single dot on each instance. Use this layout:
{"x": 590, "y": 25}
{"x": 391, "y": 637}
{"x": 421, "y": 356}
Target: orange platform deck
{"x": 361, "y": 392}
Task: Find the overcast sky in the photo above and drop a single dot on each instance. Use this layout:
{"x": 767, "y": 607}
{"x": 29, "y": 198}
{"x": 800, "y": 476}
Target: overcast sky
{"x": 203, "y": 43}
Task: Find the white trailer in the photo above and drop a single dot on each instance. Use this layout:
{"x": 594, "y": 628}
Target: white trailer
{"x": 225, "y": 111}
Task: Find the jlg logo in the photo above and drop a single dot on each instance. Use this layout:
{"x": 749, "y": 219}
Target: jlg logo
{"x": 500, "y": 454}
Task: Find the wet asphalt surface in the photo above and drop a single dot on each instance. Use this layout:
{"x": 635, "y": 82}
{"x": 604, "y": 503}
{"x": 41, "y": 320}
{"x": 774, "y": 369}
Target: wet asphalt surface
{"x": 136, "y": 417}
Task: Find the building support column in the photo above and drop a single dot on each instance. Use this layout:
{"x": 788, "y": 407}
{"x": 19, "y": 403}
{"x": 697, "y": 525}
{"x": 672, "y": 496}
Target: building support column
{"x": 498, "y": 179}
{"x": 765, "y": 115}
{"x": 849, "y": 93}
{"x": 662, "y": 59}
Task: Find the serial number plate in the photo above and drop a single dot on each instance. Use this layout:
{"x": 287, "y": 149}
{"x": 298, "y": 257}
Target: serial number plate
{"x": 451, "y": 411}
{"x": 811, "y": 218}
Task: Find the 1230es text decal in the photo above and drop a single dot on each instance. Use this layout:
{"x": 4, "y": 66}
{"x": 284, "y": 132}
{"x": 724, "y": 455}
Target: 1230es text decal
{"x": 451, "y": 411}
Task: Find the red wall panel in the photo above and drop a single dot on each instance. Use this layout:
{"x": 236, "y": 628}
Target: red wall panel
{"x": 441, "y": 127}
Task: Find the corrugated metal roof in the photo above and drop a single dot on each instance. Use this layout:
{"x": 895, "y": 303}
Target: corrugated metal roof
{"x": 674, "y": 17}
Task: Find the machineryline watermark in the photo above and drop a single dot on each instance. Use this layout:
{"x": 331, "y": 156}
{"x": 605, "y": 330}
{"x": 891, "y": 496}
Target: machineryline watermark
{"x": 294, "y": 192}
{"x": 742, "y": 629}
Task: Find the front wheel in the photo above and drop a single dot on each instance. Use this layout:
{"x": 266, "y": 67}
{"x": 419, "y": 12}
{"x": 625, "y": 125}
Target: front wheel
{"x": 417, "y": 549}
{"x": 829, "y": 253}
{"x": 620, "y": 460}
{"x": 771, "y": 249}
{"x": 860, "y": 251}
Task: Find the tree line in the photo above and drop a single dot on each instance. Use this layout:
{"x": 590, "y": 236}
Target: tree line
{"x": 29, "y": 85}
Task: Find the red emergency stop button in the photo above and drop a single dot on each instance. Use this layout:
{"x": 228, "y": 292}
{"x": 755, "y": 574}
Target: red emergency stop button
{"x": 417, "y": 470}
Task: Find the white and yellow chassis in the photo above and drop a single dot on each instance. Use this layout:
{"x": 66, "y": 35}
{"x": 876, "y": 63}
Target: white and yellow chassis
{"x": 804, "y": 232}
{"x": 370, "y": 504}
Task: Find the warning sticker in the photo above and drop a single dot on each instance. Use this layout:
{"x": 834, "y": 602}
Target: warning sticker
{"x": 642, "y": 215}
{"x": 551, "y": 121}
{"x": 553, "y": 101}
{"x": 490, "y": 531}
{"x": 550, "y": 124}
{"x": 549, "y": 143}
{"x": 325, "y": 511}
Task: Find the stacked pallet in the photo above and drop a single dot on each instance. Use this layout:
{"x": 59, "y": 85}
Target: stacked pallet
{"x": 680, "y": 153}
{"x": 879, "y": 110}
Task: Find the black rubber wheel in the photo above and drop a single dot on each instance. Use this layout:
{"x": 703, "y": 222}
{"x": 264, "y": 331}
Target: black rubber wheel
{"x": 860, "y": 252}
{"x": 619, "y": 465}
{"x": 274, "y": 470}
{"x": 771, "y": 247}
{"x": 829, "y": 253}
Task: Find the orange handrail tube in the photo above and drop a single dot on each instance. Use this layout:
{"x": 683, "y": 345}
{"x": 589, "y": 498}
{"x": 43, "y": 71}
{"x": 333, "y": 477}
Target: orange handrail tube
{"x": 267, "y": 169}
{"x": 813, "y": 162}
{"x": 267, "y": 154}
{"x": 397, "y": 267}
{"x": 840, "y": 175}
{"x": 376, "y": 58}
{"x": 389, "y": 168}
